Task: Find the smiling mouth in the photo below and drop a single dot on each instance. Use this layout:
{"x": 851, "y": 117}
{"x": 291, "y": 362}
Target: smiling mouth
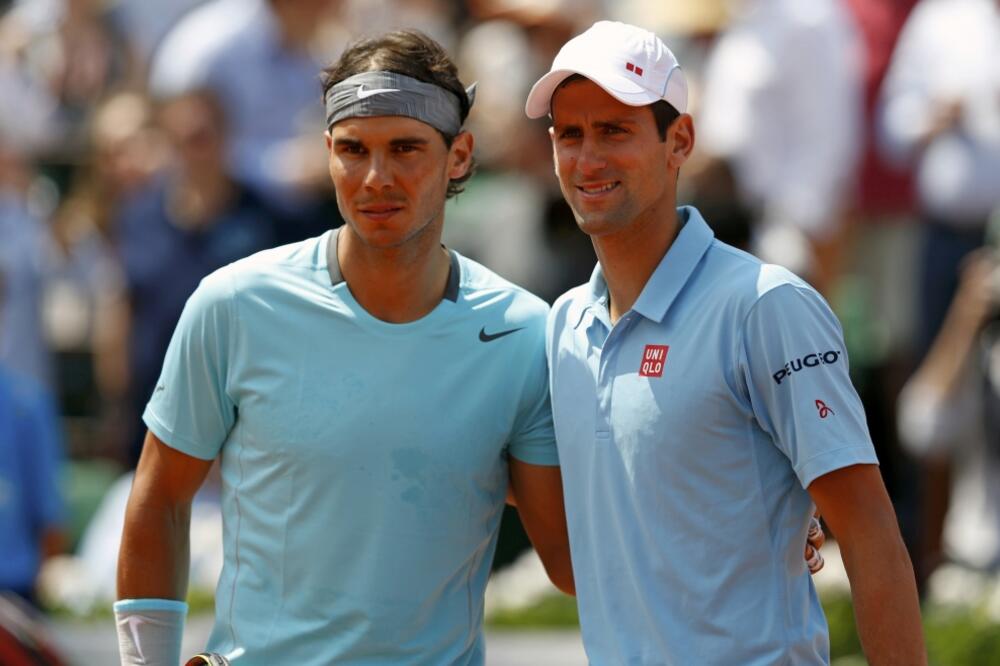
{"x": 598, "y": 189}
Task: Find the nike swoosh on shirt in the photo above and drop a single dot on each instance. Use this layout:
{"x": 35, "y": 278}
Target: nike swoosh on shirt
{"x": 489, "y": 337}
{"x": 362, "y": 93}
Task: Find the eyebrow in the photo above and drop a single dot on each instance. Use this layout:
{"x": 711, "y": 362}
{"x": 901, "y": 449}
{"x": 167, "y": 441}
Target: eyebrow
{"x": 401, "y": 141}
{"x": 408, "y": 141}
{"x": 341, "y": 141}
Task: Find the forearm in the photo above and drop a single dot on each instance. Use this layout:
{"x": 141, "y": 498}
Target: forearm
{"x": 946, "y": 362}
{"x": 558, "y": 566}
{"x": 536, "y": 491}
{"x": 155, "y": 552}
{"x": 886, "y": 606}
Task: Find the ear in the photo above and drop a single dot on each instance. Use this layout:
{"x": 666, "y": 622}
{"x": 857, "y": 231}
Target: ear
{"x": 329, "y": 139}
{"x": 460, "y": 155}
{"x": 555, "y": 158}
{"x": 680, "y": 141}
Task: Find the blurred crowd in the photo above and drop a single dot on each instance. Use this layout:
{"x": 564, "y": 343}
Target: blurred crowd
{"x": 145, "y": 144}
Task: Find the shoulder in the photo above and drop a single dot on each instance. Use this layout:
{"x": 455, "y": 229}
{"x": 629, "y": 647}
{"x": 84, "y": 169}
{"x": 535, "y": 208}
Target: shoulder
{"x": 481, "y": 288}
{"x": 265, "y": 272}
{"x": 570, "y": 305}
{"x": 739, "y": 276}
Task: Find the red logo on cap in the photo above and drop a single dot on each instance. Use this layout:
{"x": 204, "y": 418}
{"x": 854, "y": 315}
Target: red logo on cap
{"x": 653, "y": 359}
{"x": 633, "y": 68}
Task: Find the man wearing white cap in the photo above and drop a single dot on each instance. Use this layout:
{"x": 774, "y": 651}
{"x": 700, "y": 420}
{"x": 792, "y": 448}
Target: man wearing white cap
{"x": 702, "y": 403}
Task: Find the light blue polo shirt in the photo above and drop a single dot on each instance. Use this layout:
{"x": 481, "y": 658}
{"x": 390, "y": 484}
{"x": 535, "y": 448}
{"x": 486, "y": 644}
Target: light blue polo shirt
{"x": 687, "y": 435}
{"x": 364, "y": 464}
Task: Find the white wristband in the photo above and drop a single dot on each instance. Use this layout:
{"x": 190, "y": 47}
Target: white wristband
{"x": 150, "y": 631}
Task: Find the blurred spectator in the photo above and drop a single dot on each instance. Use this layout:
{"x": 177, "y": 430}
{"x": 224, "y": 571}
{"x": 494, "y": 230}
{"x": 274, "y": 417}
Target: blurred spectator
{"x": 871, "y": 264}
{"x": 126, "y": 150}
{"x": 512, "y": 216}
{"x": 30, "y": 501}
{"x": 499, "y": 219}
{"x": 23, "y": 246}
{"x": 877, "y": 252}
{"x": 188, "y": 221}
{"x": 674, "y": 18}
{"x": 146, "y": 23}
{"x": 941, "y": 113}
{"x": 436, "y": 18}
{"x": 257, "y": 57}
{"x": 782, "y": 105}
{"x": 69, "y": 55}
{"x": 83, "y": 278}
{"x": 949, "y": 411}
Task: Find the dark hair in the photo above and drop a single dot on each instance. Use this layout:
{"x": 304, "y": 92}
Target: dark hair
{"x": 413, "y": 54}
{"x": 664, "y": 112}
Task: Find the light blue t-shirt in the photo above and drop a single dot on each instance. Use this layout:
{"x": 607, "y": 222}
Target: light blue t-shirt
{"x": 687, "y": 435}
{"x": 364, "y": 464}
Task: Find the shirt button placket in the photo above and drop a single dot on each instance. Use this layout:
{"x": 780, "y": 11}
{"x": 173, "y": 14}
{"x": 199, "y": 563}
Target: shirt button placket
{"x": 606, "y": 376}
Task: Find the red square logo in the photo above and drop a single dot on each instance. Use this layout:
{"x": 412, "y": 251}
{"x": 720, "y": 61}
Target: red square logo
{"x": 654, "y": 357}
{"x": 630, "y": 67}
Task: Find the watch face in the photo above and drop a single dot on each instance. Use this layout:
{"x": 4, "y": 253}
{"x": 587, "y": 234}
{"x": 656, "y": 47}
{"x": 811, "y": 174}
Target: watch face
{"x": 211, "y": 659}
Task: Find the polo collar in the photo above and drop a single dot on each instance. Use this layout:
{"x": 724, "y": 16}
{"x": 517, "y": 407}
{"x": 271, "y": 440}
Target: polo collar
{"x": 673, "y": 272}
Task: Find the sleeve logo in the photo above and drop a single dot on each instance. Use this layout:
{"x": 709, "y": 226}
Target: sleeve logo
{"x": 823, "y": 410}
{"x": 653, "y": 359}
{"x": 807, "y": 361}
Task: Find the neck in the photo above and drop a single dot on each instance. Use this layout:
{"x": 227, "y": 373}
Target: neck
{"x": 629, "y": 257}
{"x": 399, "y": 284}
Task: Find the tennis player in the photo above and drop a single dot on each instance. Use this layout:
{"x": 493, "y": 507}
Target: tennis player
{"x": 371, "y": 395}
{"x": 702, "y": 403}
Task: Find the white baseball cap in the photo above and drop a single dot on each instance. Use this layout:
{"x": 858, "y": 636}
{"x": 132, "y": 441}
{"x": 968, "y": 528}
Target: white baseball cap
{"x": 631, "y": 64}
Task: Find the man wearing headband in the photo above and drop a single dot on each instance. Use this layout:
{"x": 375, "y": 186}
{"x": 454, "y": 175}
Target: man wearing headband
{"x": 701, "y": 401}
{"x": 372, "y": 396}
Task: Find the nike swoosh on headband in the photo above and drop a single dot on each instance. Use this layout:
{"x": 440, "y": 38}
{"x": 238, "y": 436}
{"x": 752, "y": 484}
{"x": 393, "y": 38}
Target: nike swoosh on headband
{"x": 362, "y": 93}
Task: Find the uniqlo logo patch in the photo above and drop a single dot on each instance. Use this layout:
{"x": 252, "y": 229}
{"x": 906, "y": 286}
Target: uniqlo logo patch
{"x": 633, "y": 68}
{"x": 653, "y": 359}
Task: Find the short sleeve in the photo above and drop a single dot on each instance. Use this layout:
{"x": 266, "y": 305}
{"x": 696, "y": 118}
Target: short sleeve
{"x": 796, "y": 372}
{"x": 534, "y": 439}
{"x": 190, "y": 409}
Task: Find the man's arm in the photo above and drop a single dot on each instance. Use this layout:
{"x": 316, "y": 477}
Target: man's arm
{"x": 856, "y": 507}
{"x": 155, "y": 554}
{"x": 537, "y": 492}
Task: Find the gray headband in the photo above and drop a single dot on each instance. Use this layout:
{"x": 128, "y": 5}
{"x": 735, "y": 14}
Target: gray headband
{"x": 390, "y": 94}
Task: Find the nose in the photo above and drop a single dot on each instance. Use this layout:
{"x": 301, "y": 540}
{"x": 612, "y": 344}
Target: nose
{"x": 378, "y": 176}
{"x": 590, "y": 159}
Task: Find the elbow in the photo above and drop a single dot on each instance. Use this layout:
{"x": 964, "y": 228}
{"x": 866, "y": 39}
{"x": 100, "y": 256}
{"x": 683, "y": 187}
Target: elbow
{"x": 563, "y": 580}
{"x": 559, "y": 569}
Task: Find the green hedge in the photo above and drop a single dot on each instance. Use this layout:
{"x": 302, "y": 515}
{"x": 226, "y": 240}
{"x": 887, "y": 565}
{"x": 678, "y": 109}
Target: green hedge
{"x": 955, "y": 637}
